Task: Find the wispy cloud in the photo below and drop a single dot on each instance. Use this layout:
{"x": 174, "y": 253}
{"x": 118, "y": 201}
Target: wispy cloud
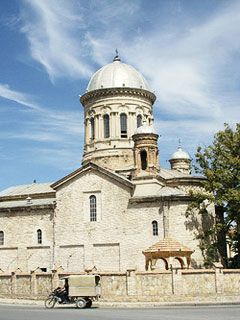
{"x": 18, "y": 97}
{"x": 59, "y": 33}
{"x": 42, "y": 124}
{"x": 52, "y": 28}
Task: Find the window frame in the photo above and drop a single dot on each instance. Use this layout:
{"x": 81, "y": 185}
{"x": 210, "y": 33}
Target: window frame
{"x": 92, "y": 128}
{"x": 123, "y": 125}
{"x": 2, "y": 238}
{"x": 39, "y": 236}
{"x": 139, "y": 120}
{"x": 106, "y": 126}
{"x": 93, "y": 208}
{"x": 154, "y": 228}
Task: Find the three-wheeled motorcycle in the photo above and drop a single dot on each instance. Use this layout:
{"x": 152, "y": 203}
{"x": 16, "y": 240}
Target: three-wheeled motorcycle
{"x": 81, "y": 290}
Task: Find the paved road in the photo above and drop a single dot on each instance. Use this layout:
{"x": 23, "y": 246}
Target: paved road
{"x": 164, "y": 313}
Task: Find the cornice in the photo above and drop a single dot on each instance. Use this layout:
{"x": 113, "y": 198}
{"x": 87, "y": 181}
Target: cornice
{"x": 189, "y": 180}
{"x": 27, "y": 208}
{"x": 111, "y": 92}
{"x": 156, "y": 199}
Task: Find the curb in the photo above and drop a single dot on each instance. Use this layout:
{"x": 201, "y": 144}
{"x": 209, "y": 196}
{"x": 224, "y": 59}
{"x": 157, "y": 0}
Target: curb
{"x": 129, "y": 305}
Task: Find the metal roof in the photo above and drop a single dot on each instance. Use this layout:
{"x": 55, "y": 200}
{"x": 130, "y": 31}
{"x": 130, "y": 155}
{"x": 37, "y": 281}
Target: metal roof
{"x": 155, "y": 190}
{"x": 145, "y": 128}
{"x": 27, "y": 189}
{"x": 169, "y": 174}
{"x": 180, "y": 154}
{"x": 117, "y": 75}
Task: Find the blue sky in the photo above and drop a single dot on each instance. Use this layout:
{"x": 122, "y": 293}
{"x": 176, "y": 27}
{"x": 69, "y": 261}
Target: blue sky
{"x": 189, "y": 51}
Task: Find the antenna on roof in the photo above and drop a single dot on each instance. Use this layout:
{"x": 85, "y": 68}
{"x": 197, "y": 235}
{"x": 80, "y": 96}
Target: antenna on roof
{"x": 179, "y": 143}
{"x": 116, "y": 58}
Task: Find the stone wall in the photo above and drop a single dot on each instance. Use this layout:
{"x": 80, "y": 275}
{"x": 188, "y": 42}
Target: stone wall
{"x": 21, "y": 249}
{"x": 175, "y": 285}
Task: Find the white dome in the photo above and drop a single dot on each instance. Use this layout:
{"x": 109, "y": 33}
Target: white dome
{"x": 180, "y": 154}
{"x": 145, "y": 128}
{"x": 117, "y": 75}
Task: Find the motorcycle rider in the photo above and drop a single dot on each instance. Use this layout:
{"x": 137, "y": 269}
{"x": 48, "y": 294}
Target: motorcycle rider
{"x": 62, "y": 292}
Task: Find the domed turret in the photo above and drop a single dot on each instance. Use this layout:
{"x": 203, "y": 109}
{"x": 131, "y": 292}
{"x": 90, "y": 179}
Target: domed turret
{"x": 117, "y": 99}
{"x": 146, "y": 157}
{"x": 180, "y": 160}
{"x": 145, "y": 128}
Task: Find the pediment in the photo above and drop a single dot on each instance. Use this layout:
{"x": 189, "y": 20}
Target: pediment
{"x": 92, "y": 167}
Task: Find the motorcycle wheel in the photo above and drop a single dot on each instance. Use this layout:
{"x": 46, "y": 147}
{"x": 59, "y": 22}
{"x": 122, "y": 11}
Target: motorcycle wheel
{"x": 50, "y": 302}
{"x": 89, "y": 303}
{"x": 81, "y": 303}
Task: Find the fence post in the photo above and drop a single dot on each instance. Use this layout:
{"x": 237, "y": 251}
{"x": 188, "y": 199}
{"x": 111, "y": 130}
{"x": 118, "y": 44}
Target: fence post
{"x": 33, "y": 283}
{"x": 177, "y": 286}
{"x": 55, "y": 279}
{"x": 131, "y": 282}
{"x": 219, "y": 280}
{"x": 13, "y": 284}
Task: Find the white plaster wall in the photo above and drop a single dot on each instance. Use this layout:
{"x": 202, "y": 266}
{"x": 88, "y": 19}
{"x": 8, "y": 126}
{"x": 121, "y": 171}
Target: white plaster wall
{"x": 72, "y": 257}
{"x": 20, "y": 233}
{"x": 122, "y": 230}
{"x": 185, "y": 229}
{"x": 38, "y": 257}
{"x": 120, "y": 234}
{"x": 72, "y": 217}
{"x": 8, "y": 259}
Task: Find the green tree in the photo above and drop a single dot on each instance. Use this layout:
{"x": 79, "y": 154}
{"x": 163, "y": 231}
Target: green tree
{"x": 220, "y": 164}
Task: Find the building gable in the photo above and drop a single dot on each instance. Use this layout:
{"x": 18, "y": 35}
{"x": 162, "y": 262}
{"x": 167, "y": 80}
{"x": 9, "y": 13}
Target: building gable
{"x": 92, "y": 167}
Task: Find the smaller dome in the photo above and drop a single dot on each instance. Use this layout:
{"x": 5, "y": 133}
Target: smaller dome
{"x": 180, "y": 154}
{"x": 145, "y": 128}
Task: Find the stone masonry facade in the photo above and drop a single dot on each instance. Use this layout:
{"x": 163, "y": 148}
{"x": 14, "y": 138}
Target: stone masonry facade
{"x": 120, "y": 202}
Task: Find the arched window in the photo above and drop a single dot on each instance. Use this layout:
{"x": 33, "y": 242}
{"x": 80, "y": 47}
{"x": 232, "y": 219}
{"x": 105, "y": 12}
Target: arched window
{"x": 39, "y": 236}
{"x": 1, "y": 238}
{"x": 92, "y": 128}
{"x": 123, "y": 125}
{"x": 93, "y": 208}
{"x": 139, "y": 121}
{"x": 143, "y": 155}
{"x": 106, "y": 126}
{"x": 155, "y": 228}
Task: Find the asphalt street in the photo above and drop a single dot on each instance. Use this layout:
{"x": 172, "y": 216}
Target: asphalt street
{"x": 226, "y": 312}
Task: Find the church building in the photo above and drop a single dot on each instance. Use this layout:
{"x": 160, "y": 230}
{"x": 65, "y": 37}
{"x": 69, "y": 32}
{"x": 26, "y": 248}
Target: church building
{"x": 120, "y": 210}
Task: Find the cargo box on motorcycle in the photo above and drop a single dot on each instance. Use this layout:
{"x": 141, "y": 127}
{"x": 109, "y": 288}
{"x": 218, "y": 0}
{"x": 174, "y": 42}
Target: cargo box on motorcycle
{"x": 80, "y": 289}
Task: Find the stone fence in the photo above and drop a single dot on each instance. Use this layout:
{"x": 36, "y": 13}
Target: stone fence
{"x": 175, "y": 285}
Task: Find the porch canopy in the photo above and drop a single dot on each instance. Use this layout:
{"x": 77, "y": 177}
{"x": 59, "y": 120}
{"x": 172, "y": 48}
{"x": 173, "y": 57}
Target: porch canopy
{"x": 170, "y": 251}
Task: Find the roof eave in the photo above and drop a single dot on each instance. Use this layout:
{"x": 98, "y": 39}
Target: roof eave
{"x": 51, "y": 194}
